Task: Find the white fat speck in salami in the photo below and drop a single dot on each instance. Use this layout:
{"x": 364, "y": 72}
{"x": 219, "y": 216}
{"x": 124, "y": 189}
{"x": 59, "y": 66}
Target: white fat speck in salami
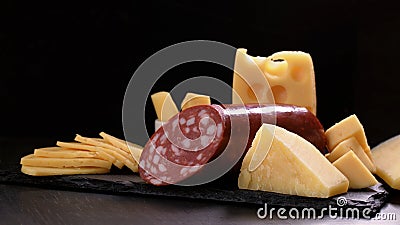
{"x": 199, "y": 156}
{"x": 186, "y": 143}
{"x": 202, "y": 112}
{"x": 205, "y": 140}
{"x": 190, "y": 122}
{"x": 211, "y": 130}
{"x": 187, "y": 129}
{"x": 204, "y": 121}
{"x": 162, "y": 168}
{"x": 219, "y": 129}
{"x": 156, "y": 159}
{"x": 182, "y": 121}
{"x": 155, "y": 181}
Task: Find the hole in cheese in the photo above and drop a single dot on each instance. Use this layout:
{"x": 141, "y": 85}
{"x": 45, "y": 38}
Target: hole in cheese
{"x": 276, "y": 67}
{"x": 297, "y": 73}
{"x": 280, "y": 93}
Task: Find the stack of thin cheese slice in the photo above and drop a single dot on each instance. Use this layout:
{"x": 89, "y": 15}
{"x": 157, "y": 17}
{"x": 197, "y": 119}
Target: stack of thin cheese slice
{"x": 85, "y": 156}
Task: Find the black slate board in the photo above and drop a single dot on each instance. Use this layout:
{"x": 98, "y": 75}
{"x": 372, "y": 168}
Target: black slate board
{"x": 373, "y": 198}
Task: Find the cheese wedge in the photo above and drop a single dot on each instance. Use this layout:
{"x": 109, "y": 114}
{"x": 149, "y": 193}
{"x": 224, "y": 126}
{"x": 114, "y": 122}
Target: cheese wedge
{"x": 387, "y": 160}
{"x": 291, "y": 165}
{"x": 351, "y": 144}
{"x": 134, "y": 149}
{"x": 32, "y": 160}
{"x": 118, "y": 153}
{"x": 290, "y": 75}
{"x": 106, "y": 153}
{"x": 58, "y": 152}
{"x": 164, "y": 105}
{"x": 358, "y": 174}
{"x": 192, "y": 99}
{"x": 347, "y": 128}
{"x": 46, "y": 171}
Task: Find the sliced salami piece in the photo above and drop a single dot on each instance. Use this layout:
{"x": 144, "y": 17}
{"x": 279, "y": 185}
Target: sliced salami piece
{"x": 186, "y": 144}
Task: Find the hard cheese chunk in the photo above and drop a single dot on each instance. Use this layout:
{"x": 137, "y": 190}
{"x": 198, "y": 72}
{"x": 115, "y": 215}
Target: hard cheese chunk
{"x": 387, "y": 160}
{"x": 164, "y": 105}
{"x": 46, "y": 171}
{"x": 192, "y": 99}
{"x": 290, "y": 75}
{"x": 351, "y": 144}
{"x": 32, "y": 160}
{"x": 347, "y": 128}
{"x": 358, "y": 174}
{"x": 291, "y": 165}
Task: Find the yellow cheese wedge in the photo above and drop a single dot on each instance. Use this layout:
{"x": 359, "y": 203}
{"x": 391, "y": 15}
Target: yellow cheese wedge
{"x": 118, "y": 153}
{"x": 58, "y": 152}
{"x": 134, "y": 149}
{"x": 192, "y": 99}
{"x": 32, "y": 160}
{"x": 164, "y": 105}
{"x": 387, "y": 160}
{"x": 352, "y": 144}
{"x": 347, "y": 128}
{"x": 291, "y": 165}
{"x": 106, "y": 153}
{"x": 358, "y": 174}
{"x": 47, "y": 171}
{"x": 290, "y": 75}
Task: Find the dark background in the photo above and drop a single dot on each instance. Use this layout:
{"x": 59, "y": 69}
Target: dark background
{"x": 64, "y": 67}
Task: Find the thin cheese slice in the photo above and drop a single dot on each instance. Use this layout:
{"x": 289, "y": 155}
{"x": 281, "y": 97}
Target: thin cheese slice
{"x": 290, "y": 75}
{"x": 387, "y": 160}
{"x": 291, "y": 165}
{"x": 164, "y": 105}
{"x": 352, "y": 144}
{"x": 358, "y": 174}
{"x": 46, "y": 171}
{"x": 347, "y": 128}
{"x": 134, "y": 149}
{"x": 192, "y": 99}
{"x": 118, "y": 153}
{"x": 106, "y": 153}
{"x": 32, "y": 160}
{"x": 58, "y": 152}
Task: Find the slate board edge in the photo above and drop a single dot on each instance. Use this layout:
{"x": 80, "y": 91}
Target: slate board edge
{"x": 76, "y": 183}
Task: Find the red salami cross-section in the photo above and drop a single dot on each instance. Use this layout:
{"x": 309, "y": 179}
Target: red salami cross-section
{"x": 178, "y": 150}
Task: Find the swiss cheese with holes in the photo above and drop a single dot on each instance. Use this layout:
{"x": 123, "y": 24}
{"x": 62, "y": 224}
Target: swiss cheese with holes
{"x": 290, "y": 75}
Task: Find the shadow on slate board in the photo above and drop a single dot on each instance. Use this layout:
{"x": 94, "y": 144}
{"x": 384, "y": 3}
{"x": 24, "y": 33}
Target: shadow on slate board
{"x": 373, "y": 198}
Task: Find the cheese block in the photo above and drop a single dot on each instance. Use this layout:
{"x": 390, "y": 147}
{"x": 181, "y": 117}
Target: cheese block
{"x": 192, "y": 99}
{"x": 118, "y": 153}
{"x": 358, "y": 174}
{"x": 59, "y": 152}
{"x": 164, "y": 105}
{"x": 106, "y": 153}
{"x": 32, "y": 160}
{"x": 134, "y": 149}
{"x": 347, "y": 128}
{"x": 291, "y": 165}
{"x": 290, "y": 75}
{"x": 351, "y": 144}
{"x": 387, "y": 160}
{"x": 47, "y": 171}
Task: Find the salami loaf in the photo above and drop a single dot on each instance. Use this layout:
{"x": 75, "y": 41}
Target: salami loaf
{"x": 206, "y": 141}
